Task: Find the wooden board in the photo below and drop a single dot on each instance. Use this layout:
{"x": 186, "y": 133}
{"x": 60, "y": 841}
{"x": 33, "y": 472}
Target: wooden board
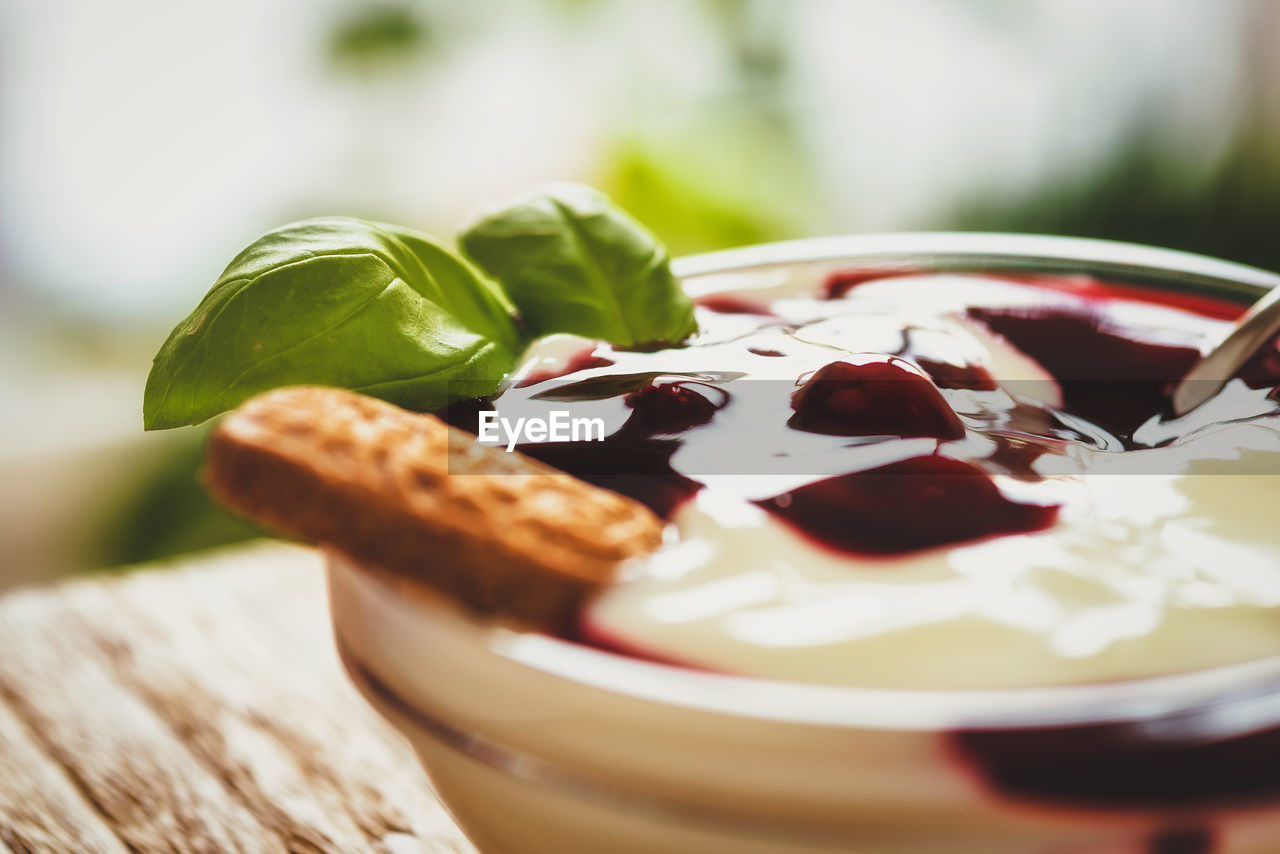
{"x": 198, "y": 707}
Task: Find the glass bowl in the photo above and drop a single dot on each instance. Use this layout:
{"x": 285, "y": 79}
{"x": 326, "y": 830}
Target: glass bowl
{"x": 540, "y": 745}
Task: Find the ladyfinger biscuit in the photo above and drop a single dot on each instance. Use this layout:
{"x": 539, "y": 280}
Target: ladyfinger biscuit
{"x": 404, "y": 492}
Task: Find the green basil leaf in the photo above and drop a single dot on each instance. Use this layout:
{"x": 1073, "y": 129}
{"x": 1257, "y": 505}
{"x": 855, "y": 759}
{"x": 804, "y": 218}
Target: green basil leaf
{"x": 342, "y": 302}
{"x": 574, "y": 262}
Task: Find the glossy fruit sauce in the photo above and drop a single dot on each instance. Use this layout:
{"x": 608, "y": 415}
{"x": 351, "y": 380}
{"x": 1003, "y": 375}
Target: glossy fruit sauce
{"x": 884, "y": 409}
{"x": 1113, "y": 352}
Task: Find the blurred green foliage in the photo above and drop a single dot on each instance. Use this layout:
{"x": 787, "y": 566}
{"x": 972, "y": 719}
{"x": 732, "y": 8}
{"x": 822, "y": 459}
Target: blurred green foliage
{"x": 169, "y": 512}
{"x": 729, "y": 178}
{"x": 730, "y": 173}
{"x": 1228, "y": 207}
{"x": 372, "y": 36}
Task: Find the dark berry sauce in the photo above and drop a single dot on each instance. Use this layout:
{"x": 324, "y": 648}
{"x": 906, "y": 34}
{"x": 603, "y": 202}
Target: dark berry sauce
{"x": 840, "y": 283}
{"x": 947, "y": 501}
{"x": 643, "y": 472}
{"x": 1094, "y": 385}
{"x": 952, "y": 376}
{"x": 1118, "y": 766}
{"x": 733, "y": 305}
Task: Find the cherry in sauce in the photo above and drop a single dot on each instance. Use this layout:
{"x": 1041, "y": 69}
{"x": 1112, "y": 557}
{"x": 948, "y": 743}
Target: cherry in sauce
{"x": 672, "y": 406}
{"x": 873, "y": 395}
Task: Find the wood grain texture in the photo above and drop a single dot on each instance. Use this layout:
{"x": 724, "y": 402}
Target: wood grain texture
{"x": 198, "y": 707}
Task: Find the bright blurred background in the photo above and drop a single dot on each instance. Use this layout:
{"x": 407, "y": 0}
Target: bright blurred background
{"x": 144, "y": 142}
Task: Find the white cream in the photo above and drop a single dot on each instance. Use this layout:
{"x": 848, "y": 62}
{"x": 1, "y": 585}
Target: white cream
{"x": 1143, "y": 574}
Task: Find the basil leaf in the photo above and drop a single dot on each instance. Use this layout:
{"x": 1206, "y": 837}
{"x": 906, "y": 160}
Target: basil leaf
{"x": 574, "y": 262}
{"x": 342, "y": 302}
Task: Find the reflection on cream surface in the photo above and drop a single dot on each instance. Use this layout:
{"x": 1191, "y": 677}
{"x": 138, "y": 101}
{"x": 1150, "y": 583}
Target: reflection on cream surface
{"x": 1143, "y": 575}
{"x": 1163, "y": 559}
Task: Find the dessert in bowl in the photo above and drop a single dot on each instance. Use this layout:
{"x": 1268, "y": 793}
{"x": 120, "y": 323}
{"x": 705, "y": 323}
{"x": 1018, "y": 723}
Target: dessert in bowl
{"x": 940, "y": 574}
{"x": 886, "y": 544}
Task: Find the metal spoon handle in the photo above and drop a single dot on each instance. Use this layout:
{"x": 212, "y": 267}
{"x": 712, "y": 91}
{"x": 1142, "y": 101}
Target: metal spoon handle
{"x": 1255, "y": 328}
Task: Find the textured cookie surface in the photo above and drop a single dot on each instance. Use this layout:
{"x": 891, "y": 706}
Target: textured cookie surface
{"x": 408, "y": 493}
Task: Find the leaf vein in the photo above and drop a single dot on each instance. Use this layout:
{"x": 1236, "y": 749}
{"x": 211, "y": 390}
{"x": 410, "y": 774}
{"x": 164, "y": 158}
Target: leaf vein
{"x": 347, "y": 319}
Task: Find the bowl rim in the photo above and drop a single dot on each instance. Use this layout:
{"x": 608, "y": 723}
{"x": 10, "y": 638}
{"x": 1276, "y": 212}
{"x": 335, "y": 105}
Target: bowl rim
{"x": 976, "y": 251}
{"x": 1239, "y": 695}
